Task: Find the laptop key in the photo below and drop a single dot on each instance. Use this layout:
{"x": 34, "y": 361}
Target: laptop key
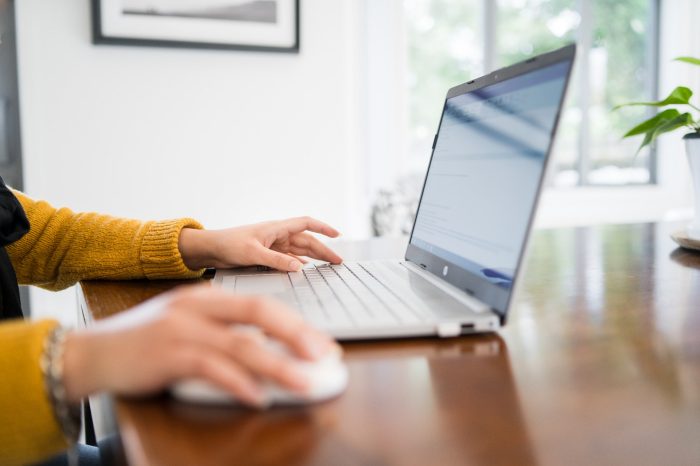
{"x": 420, "y": 291}
{"x": 398, "y": 288}
{"x": 336, "y": 296}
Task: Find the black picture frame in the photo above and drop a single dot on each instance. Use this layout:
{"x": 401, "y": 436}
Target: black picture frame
{"x": 100, "y": 38}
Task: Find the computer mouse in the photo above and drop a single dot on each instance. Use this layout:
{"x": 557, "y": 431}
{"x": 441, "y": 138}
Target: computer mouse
{"x": 328, "y": 378}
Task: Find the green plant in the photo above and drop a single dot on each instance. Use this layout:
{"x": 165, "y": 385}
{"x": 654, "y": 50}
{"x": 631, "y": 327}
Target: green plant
{"x": 670, "y": 119}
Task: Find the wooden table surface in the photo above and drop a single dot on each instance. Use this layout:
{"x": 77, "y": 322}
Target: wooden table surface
{"x": 599, "y": 364}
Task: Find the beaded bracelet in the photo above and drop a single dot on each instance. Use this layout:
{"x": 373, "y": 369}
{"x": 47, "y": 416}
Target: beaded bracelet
{"x": 67, "y": 414}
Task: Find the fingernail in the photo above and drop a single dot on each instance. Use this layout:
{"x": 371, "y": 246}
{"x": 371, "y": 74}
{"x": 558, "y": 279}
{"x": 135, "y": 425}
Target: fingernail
{"x": 255, "y": 396}
{"x": 259, "y": 404}
{"x": 294, "y": 265}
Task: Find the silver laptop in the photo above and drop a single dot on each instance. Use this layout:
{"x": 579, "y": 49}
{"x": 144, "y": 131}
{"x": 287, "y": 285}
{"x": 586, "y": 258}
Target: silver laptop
{"x": 472, "y": 224}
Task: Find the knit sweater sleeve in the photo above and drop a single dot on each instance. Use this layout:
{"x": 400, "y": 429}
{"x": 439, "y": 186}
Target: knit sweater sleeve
{"x": 63, "y": 247}
{"x": 29, "y": 431}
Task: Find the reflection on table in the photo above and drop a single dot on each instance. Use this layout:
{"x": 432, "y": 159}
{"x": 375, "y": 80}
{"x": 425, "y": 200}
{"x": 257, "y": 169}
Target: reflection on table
{"x": 599, "y": 364}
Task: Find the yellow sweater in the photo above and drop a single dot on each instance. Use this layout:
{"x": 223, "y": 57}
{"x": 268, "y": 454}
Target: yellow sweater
{"x": 61, "y": 248}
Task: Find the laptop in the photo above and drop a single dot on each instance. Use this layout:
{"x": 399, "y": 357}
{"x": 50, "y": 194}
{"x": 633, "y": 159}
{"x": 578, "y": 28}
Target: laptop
{"x": 466, "y": 249}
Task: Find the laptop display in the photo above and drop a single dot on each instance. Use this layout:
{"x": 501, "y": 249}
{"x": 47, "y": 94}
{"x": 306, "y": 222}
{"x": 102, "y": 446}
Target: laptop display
{"x": 481, "y": 188}
{"x": 471, "y": 226}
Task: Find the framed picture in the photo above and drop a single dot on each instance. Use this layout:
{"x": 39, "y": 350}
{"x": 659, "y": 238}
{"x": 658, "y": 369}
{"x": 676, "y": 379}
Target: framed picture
{"x": 260, "y": 25}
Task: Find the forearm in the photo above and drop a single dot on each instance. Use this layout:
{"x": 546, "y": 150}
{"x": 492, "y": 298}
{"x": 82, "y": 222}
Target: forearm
{"x": 63, "y": 247}
{"x": 80, "y": 366}
{"x": 196, "y": 249}
{"x": 201, "y": 249}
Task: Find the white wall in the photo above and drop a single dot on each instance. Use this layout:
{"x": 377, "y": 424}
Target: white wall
{"x": 234, "y": 137}
{"x": 227, "y": 137}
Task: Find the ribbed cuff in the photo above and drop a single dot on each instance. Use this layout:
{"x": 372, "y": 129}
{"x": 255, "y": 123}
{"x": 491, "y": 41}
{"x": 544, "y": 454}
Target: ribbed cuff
{"x": 160, "y": 255}
{"x": 30, "y": 431}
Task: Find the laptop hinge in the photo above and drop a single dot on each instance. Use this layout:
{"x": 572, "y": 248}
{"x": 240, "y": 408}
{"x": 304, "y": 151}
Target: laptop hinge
{"x": 471, "y": 302}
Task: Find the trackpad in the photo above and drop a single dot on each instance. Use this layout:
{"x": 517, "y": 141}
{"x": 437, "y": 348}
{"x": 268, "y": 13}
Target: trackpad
{"x": 261, "y": 284}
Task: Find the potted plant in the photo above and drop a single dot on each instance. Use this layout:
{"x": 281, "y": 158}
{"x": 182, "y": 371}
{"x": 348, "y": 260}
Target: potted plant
{"x": 672, "y": 119}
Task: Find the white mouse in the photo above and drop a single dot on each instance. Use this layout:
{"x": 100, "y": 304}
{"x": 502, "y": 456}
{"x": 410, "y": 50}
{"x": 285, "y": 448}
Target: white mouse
{"x": 328, "y": 378}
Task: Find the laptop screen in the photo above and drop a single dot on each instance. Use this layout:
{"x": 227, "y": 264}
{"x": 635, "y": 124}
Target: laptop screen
{"x": 484, "y": 177}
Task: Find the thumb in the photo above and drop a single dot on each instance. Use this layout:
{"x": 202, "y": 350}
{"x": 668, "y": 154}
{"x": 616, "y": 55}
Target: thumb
{"x": 277, "y": 260}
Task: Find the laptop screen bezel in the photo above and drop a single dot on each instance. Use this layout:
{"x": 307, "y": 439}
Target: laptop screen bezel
{"x": 457, "y": 276}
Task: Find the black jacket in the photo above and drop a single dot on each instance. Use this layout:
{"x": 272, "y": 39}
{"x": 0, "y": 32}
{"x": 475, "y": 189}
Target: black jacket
{"x": 13, "y": 225}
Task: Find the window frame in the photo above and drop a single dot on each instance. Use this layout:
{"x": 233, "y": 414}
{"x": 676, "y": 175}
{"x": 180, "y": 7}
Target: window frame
{"x": 579, "y": 83}
{"x": 666, "y": 197}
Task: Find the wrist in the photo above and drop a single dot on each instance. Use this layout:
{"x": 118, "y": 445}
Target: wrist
{"x": 80, "y": 378}
{"x": 66, "y": 410}
{"x": 194, "y": 248}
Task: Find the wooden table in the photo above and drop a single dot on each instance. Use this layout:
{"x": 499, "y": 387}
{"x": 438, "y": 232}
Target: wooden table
{"x": 599, "y": 364}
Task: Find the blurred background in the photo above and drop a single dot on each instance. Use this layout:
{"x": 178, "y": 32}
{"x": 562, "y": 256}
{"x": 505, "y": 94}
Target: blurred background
{"x": 342, "y": 129}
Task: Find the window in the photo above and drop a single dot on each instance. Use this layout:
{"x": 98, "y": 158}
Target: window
{"x": 451, "y": 41}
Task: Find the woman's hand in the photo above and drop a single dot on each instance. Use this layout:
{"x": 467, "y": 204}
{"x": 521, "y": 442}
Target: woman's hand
{"x": 277, "y": 244}
{"x": 188, "y": 333}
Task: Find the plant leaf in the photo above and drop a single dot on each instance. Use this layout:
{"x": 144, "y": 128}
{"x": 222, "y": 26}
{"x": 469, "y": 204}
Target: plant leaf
{"x": 653, "y": 123}
{"x": 680, "y": 95}
{"x": 691, "y": 60}
{"x": 684, "y": 119}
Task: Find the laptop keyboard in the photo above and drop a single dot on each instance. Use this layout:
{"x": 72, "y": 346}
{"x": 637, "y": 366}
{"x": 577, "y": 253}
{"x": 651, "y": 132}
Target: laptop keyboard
{"x": 349, "y": 295}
